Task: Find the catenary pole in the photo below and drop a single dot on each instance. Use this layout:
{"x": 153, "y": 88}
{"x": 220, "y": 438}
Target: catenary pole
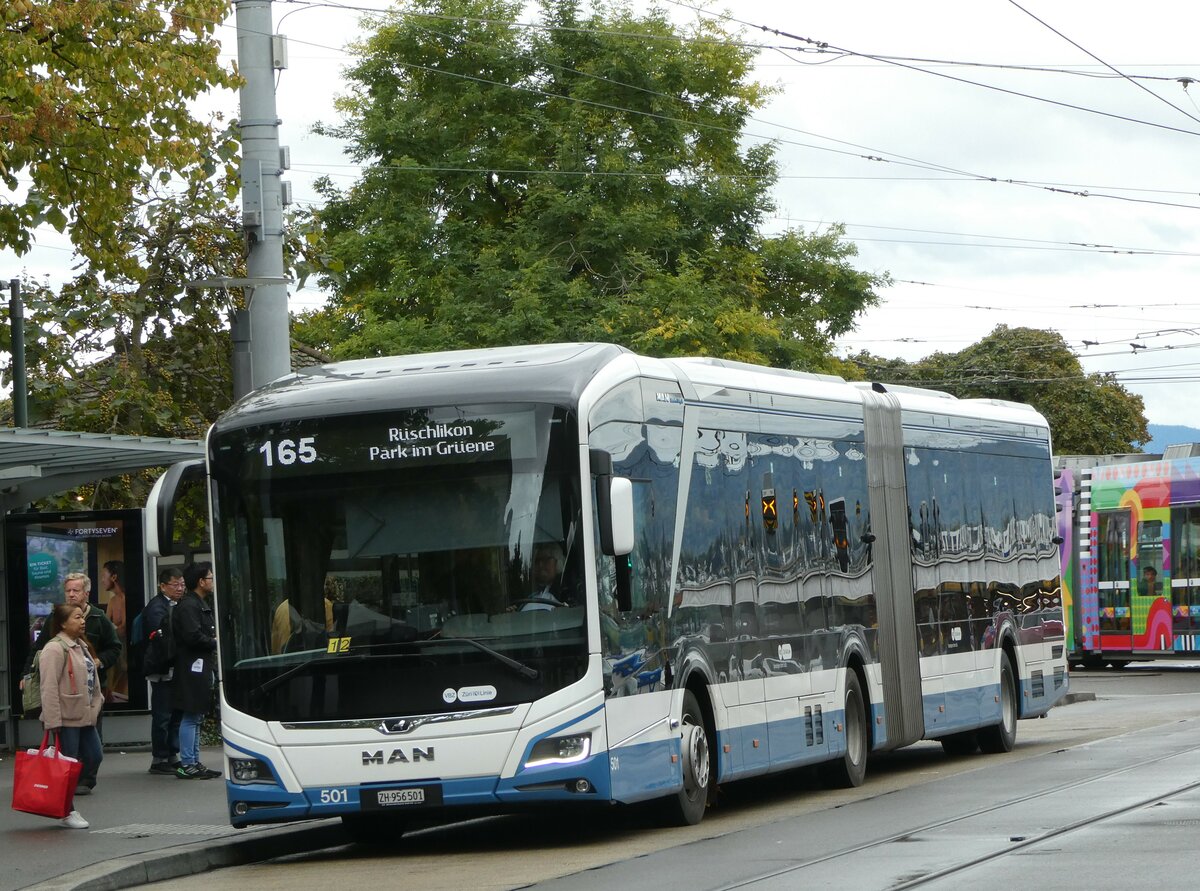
{"x": 259, "y": 54}
{"x": 20, "y": 384}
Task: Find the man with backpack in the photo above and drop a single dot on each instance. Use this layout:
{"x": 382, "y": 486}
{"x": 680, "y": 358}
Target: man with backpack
{"x": 158, "y": 664}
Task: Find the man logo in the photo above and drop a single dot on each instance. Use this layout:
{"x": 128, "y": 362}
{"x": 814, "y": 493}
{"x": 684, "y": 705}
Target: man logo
{"x": 399, "y": 756}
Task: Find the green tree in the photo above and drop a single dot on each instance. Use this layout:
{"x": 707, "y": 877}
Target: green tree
{"x": 1089, "y": 414}
{"x": 139, "y": 355}
{"x": 94, "y": 102}
{"x": 587, "y": 179}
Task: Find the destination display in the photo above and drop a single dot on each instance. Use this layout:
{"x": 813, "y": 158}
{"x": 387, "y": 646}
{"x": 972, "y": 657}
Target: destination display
{"x": 386, "y": 441}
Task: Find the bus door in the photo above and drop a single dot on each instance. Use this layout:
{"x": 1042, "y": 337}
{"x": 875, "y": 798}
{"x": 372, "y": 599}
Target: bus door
{"x": 1185, "y": 574}
{"x": 1152, "y": 592}
{"x": 1113, "y": 568}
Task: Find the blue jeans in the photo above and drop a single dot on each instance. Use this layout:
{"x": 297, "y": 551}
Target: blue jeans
{"x": 82, "y": 743}
{"x": 164, "y": 723}
{"x": 189, "y": 737}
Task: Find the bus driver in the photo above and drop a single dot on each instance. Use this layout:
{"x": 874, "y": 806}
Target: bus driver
{"x": 547, "y": 559}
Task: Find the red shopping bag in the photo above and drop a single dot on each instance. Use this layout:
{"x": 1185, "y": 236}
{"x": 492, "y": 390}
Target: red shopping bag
{"x": 43, "y": 782}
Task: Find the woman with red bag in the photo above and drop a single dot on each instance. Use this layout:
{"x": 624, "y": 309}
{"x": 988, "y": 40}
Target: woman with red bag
{"x": 71, "y": 696}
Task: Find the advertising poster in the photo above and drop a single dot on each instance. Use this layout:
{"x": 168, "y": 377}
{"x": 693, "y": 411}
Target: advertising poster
{"x": 42, "y": 550}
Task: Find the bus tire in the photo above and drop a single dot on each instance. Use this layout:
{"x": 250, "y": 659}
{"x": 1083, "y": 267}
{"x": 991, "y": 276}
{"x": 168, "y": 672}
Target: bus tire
{"x": 850, "y": 770}
{"x": 957, "y": 744}
{"x": 686, "y": 807}
{"x": 376, "y": 830}
{"x": 1000, "y": 737}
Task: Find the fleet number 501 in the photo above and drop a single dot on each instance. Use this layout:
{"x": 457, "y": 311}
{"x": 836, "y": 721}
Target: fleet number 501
{"x": 335, "y": 796}
{"x": 289, "y": 451}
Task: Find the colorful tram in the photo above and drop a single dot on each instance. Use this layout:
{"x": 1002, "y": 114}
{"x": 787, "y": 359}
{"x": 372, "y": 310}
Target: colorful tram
{"x": 1131, "y": 573}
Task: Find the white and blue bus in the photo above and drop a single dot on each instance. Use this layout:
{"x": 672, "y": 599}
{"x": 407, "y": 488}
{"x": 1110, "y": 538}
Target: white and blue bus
{"x": 753, "y": 570}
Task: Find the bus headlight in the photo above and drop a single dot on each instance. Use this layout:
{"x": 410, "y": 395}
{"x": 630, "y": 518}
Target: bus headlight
{"x": 250, "y": 770}
{"x": 560, "y": 750}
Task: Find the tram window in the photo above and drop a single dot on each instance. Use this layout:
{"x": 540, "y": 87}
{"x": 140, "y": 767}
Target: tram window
{"x": 1112, "y": 566}
{"x": 1150, "y": 558}
{"x": 1185, "y": 567}
{"x": 1113, "y": 551}
{"x": 1185, "y": 544}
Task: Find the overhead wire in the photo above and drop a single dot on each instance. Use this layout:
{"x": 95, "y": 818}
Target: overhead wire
{"x": 875, "y": 155}
{"x": 1102, "y": 62}
{"x": 825, "y": 45}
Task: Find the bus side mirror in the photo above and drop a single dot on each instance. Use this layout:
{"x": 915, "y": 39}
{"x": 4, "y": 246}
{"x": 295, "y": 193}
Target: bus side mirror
{"x": 160, "y": 506}
{"x": 620, "y": 497}
{"x": 614, "y": 506}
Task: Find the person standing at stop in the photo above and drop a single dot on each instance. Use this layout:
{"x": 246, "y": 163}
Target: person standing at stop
{"x": 195, "y": 633}
{"x": 102, "y": 634}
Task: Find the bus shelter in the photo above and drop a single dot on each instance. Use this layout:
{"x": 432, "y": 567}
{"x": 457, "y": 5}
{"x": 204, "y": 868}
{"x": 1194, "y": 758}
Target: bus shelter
{"x": 36, "y": 463}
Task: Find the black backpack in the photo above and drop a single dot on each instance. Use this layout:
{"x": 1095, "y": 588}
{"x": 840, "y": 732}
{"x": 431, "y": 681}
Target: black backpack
{"x": 158, "y": 649}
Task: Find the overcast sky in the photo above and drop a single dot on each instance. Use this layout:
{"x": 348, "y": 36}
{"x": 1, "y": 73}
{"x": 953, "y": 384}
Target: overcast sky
{"x": 970, "y": 195}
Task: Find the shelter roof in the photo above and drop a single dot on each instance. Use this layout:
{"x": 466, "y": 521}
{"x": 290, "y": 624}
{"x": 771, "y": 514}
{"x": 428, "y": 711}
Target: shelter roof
{"x": 35, "y": 463}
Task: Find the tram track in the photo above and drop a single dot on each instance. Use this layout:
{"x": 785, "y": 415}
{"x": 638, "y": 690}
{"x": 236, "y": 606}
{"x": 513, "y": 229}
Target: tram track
{"x": 1020, "y": 843}
{"x": 1014, "y": 844}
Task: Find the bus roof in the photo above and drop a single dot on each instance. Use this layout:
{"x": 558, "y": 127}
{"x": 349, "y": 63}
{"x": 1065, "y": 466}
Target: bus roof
{"x": 550, "y": 373}
{"x": 547, "y": 373}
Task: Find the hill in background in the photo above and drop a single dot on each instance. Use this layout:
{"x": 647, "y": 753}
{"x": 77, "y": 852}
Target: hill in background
{"x": 1163, "y": 435}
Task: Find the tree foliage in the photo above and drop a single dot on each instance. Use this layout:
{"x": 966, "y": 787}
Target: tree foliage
{"x": 588, "y": 179}
{"x": 94, "y": 102}
{"x": 1089, "y": 414}
{"x": 139, "y": 355}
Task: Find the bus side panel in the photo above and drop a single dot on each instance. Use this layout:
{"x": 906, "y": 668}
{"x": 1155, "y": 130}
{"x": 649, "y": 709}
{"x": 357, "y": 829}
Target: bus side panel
{"x": 644, "y": 750}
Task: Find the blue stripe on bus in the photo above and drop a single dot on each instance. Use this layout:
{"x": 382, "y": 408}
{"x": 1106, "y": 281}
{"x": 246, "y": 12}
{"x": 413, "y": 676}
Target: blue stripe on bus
{"x": 645, "y": 770}
{"x": 271, "y": 803}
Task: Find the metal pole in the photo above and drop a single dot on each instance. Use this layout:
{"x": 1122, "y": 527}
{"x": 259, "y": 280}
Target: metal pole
{"x": 262, "y": 203}
{"x": 16, "y": 317}
{"x": 239, "y": 331}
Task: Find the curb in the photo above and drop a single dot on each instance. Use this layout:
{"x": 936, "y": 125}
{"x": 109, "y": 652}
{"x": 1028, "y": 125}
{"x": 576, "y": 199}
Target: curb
{"x": 199, "y": 857}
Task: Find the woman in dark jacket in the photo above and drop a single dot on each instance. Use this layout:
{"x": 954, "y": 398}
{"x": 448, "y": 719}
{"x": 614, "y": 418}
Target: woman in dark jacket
{"x": 195, "y": 634}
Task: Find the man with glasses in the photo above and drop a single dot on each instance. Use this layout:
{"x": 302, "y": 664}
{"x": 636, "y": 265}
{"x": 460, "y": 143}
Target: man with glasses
{"x": 195, "y": 633}
{"x": 158, "y": 666}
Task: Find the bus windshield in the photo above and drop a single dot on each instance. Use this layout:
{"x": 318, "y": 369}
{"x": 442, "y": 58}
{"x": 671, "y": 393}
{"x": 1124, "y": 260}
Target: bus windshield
{"x": 399, "y": 563}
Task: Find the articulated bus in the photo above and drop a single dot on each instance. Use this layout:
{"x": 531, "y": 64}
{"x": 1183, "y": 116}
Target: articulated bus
{"x": 1134, "y": 558}
{"x": 754, "y": 570}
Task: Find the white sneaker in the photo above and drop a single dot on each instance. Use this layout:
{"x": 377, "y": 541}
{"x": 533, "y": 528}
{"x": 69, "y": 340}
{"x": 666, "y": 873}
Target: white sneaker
{"x": 74, "y": 820}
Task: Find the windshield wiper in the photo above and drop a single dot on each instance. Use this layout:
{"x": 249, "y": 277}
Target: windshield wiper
{"x": 527, "y": 671}
{"x": 520, "y": 668}
{"x": 269, "y": 685}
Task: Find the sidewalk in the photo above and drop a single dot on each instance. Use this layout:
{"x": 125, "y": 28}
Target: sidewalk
{"x": 144, "y": 828}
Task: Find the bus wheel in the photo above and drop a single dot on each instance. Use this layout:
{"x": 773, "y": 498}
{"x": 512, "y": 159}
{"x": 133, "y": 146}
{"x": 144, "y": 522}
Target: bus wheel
{"x": 1000, "y": 737}
{"x": 376, "y": 830}
{"x": 851, "y": 769}
{"x": 964, "y": 743}
{"x": 687, "y": 808}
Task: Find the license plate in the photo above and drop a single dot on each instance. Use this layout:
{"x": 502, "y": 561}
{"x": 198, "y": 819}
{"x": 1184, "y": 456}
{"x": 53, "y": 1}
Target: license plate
{"x": 393, "y": 797}
{"x": 408, "y": 796}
